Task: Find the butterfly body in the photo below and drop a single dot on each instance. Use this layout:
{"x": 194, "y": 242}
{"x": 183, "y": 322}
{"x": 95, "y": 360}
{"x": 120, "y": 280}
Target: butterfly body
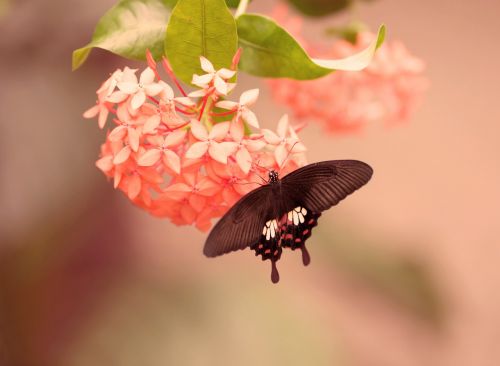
{"x": 281, "y": 214}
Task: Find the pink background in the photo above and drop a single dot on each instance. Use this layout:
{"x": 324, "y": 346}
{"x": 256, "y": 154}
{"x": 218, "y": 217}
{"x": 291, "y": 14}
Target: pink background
{"x": 405, "y": 272}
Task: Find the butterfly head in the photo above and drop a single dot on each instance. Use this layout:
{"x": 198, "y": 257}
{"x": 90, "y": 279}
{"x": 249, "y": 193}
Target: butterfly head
{"x": 273, "y": 176}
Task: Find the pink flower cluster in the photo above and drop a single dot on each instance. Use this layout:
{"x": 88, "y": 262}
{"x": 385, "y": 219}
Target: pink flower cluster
{"x": 188, "y": 158}
{"x": 388, "y": 90}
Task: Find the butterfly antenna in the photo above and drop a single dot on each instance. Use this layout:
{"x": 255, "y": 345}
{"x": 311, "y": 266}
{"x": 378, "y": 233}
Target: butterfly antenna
{"x": 243, "y": 183}
{"x": 275, "y": 276}
{"x": 289, "y": 153}
{"x": 263, "y": 179}
{"x": 263, "y": 167}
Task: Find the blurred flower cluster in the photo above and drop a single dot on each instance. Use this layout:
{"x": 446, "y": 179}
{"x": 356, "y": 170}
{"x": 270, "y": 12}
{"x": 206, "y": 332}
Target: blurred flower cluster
{"x": 388, "y": 90}
{"x": 188, "y": 158}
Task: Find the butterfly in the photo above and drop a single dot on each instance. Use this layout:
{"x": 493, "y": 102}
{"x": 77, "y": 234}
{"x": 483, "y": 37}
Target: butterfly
{"x": 282, "y": 213}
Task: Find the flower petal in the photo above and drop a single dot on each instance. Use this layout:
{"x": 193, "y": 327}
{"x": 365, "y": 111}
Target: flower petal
{"x": 218, "y": 153}
{"x": 202, "y": 80}
{"x": 220, "y": 85}
{"x": 249, "y": 97}
{"x": 226, "y": 73}
{"x": 177, "y": 191}
{"x": 138, "y": 99}
{"x": 271, "y": 137}
{"x": 147, "y": 76}
{"x": 172, "y": 160}
{"x": 185, "y": 101}
{"x": 237, "y": 130}
{"x": 118, "y": 133}
{"x": 128, "y": 87}
{"x": 230, "y": 196}
{"x": 134, "y": 186}
{"x": 92, "y": 111}
{"x": 255, "y": 145}
{"x": 103, "y": 116}
{"x": 207, "y": 187}
{"x": 149, "y": 158}
{"x": 283, "y": 126}
{"x": 226, "y": 104}
{"x": 128, "y": 75}
{"x": 122, "y": 155}
{"x": 122, "y": 112}
{"x": 244, "y": 160}
{"x": 280, "y": 154}
{"x": 167, "y": 92}
{"x": 188, "y": 214}
{"x": 197, "y": 93}
{"x": 153, "y": 89}
{"x": 151, "y": 124}
{"x": 206, "y": 65}
{"x": 229, "y": 147}
{"x": 133, "y": 138}
{"x": 197, "y": 202}
{"x": 219, "y": 131}
{"x": 250, "y": 117}
{"x": 197, "y": 150}
{"x": 198, "y": 130}
{"x": 117, "y": 97}
{"x": 174, "y": 138}
{"x": 117, "y": 178}
{"x": 105, "y": 163}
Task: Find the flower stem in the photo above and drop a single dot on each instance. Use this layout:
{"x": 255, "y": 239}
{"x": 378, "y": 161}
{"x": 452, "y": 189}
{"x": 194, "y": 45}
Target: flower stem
{"x": 242, "y": 8}
{"x": 223, "y": 113}
{"x": 170, "y": 73}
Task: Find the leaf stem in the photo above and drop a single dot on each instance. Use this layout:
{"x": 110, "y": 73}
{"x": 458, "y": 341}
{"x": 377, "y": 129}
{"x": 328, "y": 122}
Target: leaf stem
{"x": 242, "y": 8}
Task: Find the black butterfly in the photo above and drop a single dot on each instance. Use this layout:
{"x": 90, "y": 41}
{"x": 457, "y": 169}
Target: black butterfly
{"x": 282, "y": 213}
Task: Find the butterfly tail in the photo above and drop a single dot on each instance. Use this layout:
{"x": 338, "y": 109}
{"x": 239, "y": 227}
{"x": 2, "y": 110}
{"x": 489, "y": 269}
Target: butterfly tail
{"x": 275, "y": 276}
{"x": 306, "y": 258}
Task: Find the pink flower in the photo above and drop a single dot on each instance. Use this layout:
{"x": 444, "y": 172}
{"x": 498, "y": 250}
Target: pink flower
{"x": 161, "y": 149}
{"x": 389, "y": 90}
{"x": 212, "y": 77}
{"x": 175, "y": 166}
{"x": 284, "y": 140}
{"x": 247, "y": 98}
{"x": 244, "y": 146}
{"x": 210, "y": 142}
{"x": 100, "y": 109}
{"x": 195, "y": 189}
{"x": 126, "y": 128}
{"x": 139, "y": 90}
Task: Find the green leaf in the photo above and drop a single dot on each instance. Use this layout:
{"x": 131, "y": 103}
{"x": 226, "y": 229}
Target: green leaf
{"x": 269, "y": 51}
{"x": 320, "y": 7}
{"x": 128, "y": 29}
{"x": 200, "y": 28}
{"x": 348, "y": 32}
{"x": 233, "y": 3}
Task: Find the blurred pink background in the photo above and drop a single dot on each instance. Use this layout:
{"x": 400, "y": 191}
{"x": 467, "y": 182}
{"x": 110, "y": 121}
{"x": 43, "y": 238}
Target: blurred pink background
{"x": 404, "y": 272}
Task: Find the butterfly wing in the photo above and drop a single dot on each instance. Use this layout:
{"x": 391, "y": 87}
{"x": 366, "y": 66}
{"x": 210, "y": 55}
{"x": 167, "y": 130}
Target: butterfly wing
{"x": 242, "y": 225}
{"x": 319, "y": 186}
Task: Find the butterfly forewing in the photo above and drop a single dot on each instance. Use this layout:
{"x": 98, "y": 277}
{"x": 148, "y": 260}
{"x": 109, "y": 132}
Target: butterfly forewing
{"x": 320, "y": 186}
{"x": 242, "y": 225}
